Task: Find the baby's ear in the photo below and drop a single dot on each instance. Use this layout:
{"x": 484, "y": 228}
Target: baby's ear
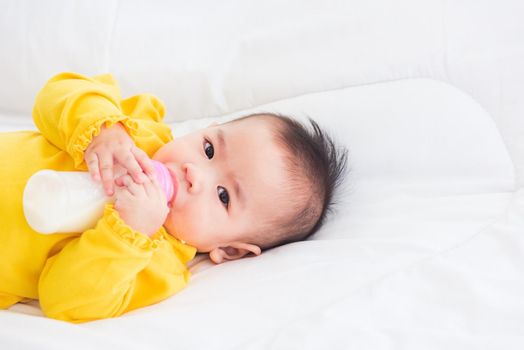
{"x": 233, "y": 251}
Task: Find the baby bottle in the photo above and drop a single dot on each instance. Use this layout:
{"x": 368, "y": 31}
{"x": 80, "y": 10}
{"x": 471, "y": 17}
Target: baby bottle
{"x": 70, "y": 201}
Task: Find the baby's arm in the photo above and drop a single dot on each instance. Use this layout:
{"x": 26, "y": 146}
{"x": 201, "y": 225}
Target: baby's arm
{"x": 72, "y": 110}
{"x": 122, "y": 264}
{"x": 110, "y": 270}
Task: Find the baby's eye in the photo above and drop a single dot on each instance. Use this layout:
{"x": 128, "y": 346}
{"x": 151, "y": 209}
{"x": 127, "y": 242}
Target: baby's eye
{"x": 223, "y": 196}
{"x": 210, "y": 151}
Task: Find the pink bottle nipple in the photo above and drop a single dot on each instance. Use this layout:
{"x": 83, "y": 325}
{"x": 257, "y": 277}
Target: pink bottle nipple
{"x": 164, "y": 178}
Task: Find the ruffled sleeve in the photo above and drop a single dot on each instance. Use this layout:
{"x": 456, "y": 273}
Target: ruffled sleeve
{"x": 117, "y": 226}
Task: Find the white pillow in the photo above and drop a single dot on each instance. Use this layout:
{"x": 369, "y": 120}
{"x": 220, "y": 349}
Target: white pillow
{"x": 416, "y": 133}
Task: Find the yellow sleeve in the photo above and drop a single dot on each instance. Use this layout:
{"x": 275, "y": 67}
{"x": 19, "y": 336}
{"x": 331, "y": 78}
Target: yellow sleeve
{"x": 110, "y": 270}
{"x": 71, "y": 109}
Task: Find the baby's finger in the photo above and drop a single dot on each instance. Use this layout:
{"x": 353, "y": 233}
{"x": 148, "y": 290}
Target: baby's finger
{"x": 144, "y": 161}
{"x": 128, "y": 161}
{"x": 155, "y": 188}
{"x": 92, "y": 165}
{"x": 119, "y": 181}
{"x": 131, "y": 185}
{"x": 122, "y": 195}
{"x": 106, "y": 170}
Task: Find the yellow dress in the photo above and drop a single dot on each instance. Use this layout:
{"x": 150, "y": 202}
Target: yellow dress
{"x": 102, "y": 272}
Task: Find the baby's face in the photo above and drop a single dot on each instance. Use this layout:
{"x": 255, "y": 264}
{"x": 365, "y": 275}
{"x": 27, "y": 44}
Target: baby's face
{"x": 225, "y": 187}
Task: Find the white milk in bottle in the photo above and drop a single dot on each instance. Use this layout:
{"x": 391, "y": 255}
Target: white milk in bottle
{"x": 70, "y": 201}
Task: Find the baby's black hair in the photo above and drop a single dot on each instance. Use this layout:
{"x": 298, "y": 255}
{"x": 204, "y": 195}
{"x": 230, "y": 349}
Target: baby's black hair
{"x": 316, "y": 167}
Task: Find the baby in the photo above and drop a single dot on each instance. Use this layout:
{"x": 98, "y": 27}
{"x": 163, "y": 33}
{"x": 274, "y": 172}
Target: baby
{"x": 244, "y": 186}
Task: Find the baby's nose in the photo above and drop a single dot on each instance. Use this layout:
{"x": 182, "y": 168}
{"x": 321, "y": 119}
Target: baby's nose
{"x": 189, "y": 172}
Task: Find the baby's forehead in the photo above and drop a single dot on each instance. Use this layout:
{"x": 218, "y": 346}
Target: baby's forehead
{"x": 255, "y": 154}
{"x": 257, "y": 131}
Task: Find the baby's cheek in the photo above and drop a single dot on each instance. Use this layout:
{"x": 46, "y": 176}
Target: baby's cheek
{"x": 170, "y": 224}
{"x": 177, "y": 225}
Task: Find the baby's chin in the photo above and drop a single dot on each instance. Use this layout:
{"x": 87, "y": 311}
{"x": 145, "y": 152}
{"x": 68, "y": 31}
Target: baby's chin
{"x": 175, "y": 236}
{"x": 170, "y": 231}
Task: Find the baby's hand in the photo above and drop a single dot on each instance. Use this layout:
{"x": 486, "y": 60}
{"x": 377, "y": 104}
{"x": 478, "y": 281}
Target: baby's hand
{"x": 142, "y": 206}
{"x": 114, "y": 146}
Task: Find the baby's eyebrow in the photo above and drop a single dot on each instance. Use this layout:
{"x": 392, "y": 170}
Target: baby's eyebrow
{"x": 223, "y": 148}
